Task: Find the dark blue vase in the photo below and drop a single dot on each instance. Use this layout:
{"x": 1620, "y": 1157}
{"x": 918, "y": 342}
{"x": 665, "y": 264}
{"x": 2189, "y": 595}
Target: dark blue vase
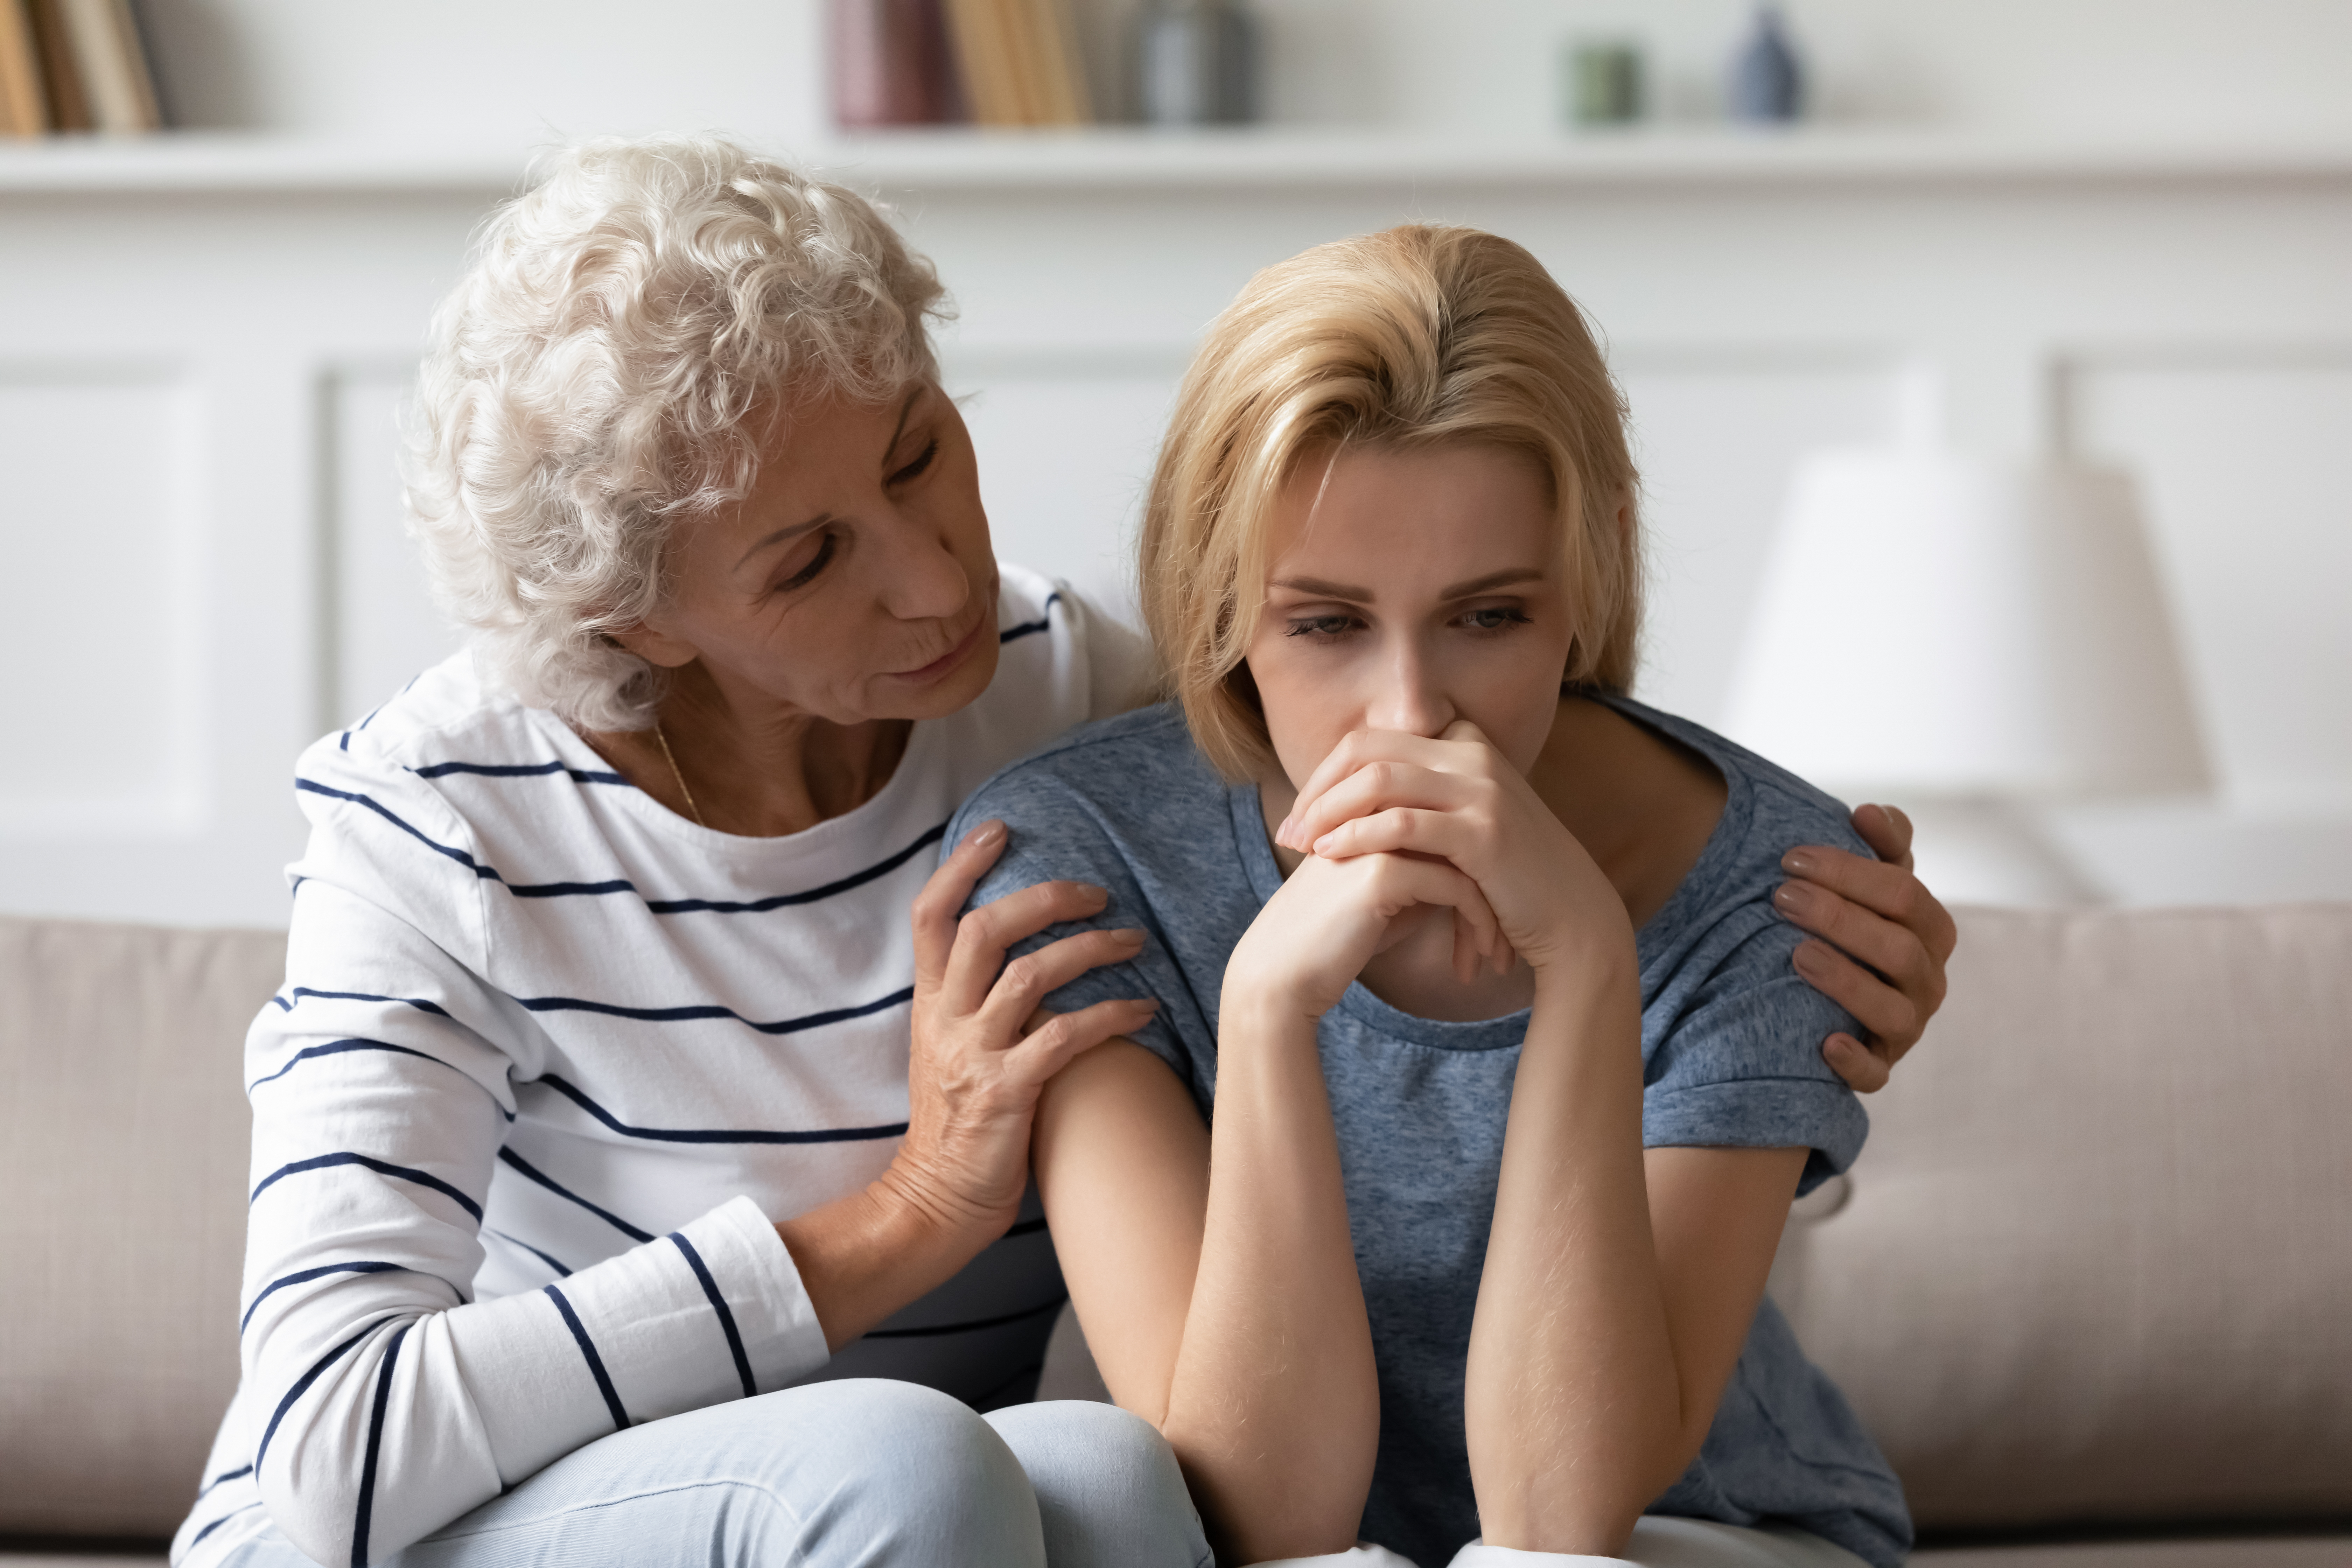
{"x": 1768, "y": 83}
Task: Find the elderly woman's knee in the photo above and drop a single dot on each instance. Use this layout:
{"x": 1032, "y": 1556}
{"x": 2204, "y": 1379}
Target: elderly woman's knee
{"x": 1107, "y": 1484}
{"x": 1115, "y": 1446}
{"x": 872, "y": 1421}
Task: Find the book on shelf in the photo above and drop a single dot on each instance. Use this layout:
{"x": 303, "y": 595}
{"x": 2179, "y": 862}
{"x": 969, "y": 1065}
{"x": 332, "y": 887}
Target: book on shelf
{"x": 87, "y": 65}
{"x": 23, "y": 101}
{"x": 60, "y": 78}
{"x": 1019, "y": 62}
{"x": 114, "y": 75}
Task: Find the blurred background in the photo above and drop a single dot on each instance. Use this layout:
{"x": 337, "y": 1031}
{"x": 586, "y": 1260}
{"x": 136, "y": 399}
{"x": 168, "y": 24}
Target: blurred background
{"x": 1970, "y": 347}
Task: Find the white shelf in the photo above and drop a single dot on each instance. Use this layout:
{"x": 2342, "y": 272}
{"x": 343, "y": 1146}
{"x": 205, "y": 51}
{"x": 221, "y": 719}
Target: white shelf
{"x": 1274, "y": 158}
{"x": 1127, "y": 158}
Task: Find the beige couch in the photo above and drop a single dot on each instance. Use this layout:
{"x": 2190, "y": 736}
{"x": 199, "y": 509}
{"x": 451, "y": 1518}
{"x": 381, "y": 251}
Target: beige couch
{"x": 2091, "y": 1284}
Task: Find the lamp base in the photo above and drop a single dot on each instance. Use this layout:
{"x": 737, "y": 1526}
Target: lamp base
{"x": 1992, "y": 852}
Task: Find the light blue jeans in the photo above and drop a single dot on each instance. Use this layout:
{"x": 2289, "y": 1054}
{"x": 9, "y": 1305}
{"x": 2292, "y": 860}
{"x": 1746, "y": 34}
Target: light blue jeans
{"x": 862, "y": 1471}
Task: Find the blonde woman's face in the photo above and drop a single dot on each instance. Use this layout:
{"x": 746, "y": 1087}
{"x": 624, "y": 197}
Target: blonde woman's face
{"x": 855, "y": 581}
{"x": 1409, "y": 589}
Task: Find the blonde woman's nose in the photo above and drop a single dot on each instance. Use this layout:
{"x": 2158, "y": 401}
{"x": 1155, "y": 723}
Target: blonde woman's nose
{"x": 1410, "y": 701}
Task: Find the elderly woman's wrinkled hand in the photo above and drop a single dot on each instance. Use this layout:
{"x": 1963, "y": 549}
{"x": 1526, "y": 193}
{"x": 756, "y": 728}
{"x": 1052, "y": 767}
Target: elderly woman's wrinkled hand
{"x": 977, "y": 1064}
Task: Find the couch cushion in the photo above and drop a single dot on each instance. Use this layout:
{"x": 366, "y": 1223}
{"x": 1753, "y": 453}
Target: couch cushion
{"x": 2243, "y": 1552}
{"x": 2096, "y": 1260}
{"x": 123, "y": 1135}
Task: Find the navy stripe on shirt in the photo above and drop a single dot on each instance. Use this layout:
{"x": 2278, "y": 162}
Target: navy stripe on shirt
{"x": 595, "y": 1363}
{"x": 1029, "y": 628}
{"x": 374, "y": 1443}
{"x": 705, "y": 1010}
{"x": 303, "y": 993}
{"x": 509, "y": 1157}
{"x": 787, "y": 901}
{"x": 345, "y": 1157}
{"x": 716, "y": 1134}
{"x": 223, "y": 1476}
{"x": 302, "y": 1386}
{"x": 307, "y": 1275}
{"x": 566, "y": 889}
{"x": 549, "y": 1258}
{"x": 518, "y": 771}
{"x": 718, "y": 1305}
{"x": 221, "y": 1520}
{"x": 972, "y": 1327}
{"x": 336, "y": 1049}
{"x": 489, "y": 873}
{"x": 451, "y": 850}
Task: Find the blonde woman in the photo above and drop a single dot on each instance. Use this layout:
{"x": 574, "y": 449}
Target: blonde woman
{"x": 1436, "y": 1202}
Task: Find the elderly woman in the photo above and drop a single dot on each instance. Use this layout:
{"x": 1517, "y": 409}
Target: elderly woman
{"x": 640, "y": 1140}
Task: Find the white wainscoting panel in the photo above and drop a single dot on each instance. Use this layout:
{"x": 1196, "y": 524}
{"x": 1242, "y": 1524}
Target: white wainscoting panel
{"x": 383, "y": 627}
{"x": 1065, "y": 444}
{"x": 2245, "y": 459}
{"x": 1716, "y": 435}
{"x": 101, "y": 534}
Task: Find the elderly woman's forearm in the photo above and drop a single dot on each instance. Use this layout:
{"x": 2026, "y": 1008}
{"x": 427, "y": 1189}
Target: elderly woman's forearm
{"x": 1274, "y": 1404}
{"x": 864, "y": 1256}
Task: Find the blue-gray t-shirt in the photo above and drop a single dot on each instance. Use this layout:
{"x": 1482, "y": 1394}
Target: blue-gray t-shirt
{"x": 1731, "y": 1052}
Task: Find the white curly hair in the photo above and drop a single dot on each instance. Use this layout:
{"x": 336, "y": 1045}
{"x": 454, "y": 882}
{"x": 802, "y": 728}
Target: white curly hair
{"x": 592, "y": 379}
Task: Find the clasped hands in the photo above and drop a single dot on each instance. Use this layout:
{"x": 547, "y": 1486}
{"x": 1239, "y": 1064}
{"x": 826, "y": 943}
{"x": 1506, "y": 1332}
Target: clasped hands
{"x": 1391, "y": 820}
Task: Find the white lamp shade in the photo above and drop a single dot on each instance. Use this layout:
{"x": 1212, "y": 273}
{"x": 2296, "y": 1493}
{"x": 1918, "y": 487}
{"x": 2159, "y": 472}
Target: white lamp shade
{"x": 1947, "y": 626}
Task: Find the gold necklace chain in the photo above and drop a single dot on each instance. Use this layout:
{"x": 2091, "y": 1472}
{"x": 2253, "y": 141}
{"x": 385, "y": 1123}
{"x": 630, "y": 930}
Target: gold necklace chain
{"x": 680, "y": 777}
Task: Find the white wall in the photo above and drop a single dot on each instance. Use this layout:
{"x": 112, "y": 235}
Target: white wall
{"x": 196, "y": 421}
{"x": 2114, "y": 66}
{"x": 518, "y": 71}
{"x": 508, "y": 72}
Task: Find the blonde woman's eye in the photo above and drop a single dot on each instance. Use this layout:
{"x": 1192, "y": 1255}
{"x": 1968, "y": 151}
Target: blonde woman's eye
{"x": 1321, "y": 626}
{"x": 1498, "y": 618}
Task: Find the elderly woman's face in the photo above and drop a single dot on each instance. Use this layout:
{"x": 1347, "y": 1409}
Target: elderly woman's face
{"x": 855, "y": 583}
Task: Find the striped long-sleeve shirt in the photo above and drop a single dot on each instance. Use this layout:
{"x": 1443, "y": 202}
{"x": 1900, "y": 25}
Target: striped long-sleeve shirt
{"x": 549, "y": 1062}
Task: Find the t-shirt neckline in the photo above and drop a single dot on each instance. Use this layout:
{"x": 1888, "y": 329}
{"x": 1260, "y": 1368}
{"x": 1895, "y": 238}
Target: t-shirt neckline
{"x": 1506, "y": 1032}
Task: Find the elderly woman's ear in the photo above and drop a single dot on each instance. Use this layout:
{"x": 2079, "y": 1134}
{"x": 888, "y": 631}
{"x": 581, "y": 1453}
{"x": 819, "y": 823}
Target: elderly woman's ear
{"x": 655, "y": 646}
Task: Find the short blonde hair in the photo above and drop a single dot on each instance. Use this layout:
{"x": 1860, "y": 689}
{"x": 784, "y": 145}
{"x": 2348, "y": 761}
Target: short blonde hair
{"x": 594, "y": 377}
{"x": 1417, "y": 335}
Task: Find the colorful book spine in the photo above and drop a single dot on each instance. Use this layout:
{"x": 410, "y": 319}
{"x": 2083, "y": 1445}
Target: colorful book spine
{"x": 114, "y": 76}
{"x": 74, "y": 65}
{"x": 23, "y": 101}
{"x": 1019, "y": 62}
{"x": 60, "y": 75}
